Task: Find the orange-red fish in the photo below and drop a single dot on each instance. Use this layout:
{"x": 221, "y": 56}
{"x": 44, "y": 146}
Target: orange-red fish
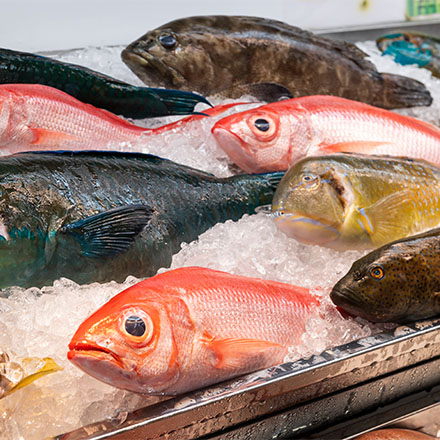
{"x": 188, "y": 328}
{"x": 38, "y": 117}
{"x": 274, "y": 136}
{"x": 394, "y": 434}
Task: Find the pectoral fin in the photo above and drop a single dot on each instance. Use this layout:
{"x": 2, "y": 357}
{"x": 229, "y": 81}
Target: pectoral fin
{"x": 111, "y": 232}
{"x": 236, "y": 353}
{"x": 381, "y": 220}
{"x": 363, "y": 147}
{"x": 43, "y": 136}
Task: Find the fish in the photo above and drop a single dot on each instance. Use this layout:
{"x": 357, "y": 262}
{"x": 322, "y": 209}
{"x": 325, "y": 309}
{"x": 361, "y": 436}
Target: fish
{"x": 412, "y": 48}
{"x": 220, "y": 54}
{"x": 188, "y": 328}
{"x": 99, "y": 216}
{"x": 38, "y": 117}
{"x": 17, "y": 374}
{"x": 397, "y": 282}
{"x": 354, "y": 201}
{"x": 274, "y": 136}
{"x": 94, "y": 88}
{"x": 395, "y": 434}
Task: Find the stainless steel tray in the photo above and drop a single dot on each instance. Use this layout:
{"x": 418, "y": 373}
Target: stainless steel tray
{"x": 295, "y": 399}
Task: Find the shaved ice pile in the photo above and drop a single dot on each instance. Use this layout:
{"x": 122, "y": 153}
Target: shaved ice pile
{"x": 41, "y": 322}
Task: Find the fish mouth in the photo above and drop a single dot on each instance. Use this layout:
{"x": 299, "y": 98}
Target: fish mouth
{"x": 305, "y": 229}
{"x": 236, "y": 149}
{"x": 91, "y": 350}
{"x": 151, "y": 69}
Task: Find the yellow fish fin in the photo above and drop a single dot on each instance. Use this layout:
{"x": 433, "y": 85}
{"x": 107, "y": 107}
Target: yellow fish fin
{"x": 379, "y": 220}
{"x": 234, "y": 353}
{"x": 50, "y": 366}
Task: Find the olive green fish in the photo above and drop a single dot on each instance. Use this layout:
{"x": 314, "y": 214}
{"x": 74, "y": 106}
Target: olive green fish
{"x": 101, "y": 216}
{"x": 398, "y": 282}
{"x": 412, "y": 48}
{"x": 353, "y": 201}
{"x": 93, "y": 87}
{"x": 236, "y": 55}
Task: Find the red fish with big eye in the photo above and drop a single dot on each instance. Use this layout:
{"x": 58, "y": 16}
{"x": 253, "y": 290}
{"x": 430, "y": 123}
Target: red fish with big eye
{"x": 275, "y": 136}
{"x": 188, "y": 328}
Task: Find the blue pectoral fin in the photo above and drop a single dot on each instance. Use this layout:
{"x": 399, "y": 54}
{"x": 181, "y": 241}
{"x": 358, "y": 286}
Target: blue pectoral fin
{"x": 111, "y": 232}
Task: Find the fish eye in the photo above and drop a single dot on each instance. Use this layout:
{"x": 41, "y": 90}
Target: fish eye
{"x": 377, "y": 272}
{"x": 262, "y": 124}
{"x": 135, "y": 326}
{"x": 168, "y": 41}
{"x": 310, "y": 180}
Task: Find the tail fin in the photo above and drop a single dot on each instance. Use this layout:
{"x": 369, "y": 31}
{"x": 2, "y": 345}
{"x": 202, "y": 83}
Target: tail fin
{"x": 273, "y": 179}
{"x": 179, "y": 102}
{"x": 400, "y": 92}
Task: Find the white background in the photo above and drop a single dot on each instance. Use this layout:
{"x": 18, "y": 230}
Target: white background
{"x": 35, "y": 25}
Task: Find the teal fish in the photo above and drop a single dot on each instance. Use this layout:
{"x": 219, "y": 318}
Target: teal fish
{"x": 412, "y": 48}
{"x": 101, "y": 216}
{"x": 95, "y": 88}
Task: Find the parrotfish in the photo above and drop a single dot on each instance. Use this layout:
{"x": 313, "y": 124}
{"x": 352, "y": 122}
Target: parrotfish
{"x": 94, "y": 88}
{"x": 397, "y": 282}
{"x": 350, "y": 201}
{"x": 412, "y": 48}
{"x": 188, "y": 328}
{"x": 234, "y": 55}
{"x": 101, "y": 216}
{"x": 275, "y": 136}
{"x": 37, "y": 117}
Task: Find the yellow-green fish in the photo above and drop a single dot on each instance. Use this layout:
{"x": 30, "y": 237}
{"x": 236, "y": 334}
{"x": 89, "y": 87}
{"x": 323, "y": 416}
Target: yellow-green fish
{"x": 351, "y": 201}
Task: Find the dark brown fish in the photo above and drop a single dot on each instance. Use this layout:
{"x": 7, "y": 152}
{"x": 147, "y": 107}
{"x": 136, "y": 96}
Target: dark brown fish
{"x": 395, "y": 434}
{"x": 398, "y": 282}
{"x": 216, "y": 54}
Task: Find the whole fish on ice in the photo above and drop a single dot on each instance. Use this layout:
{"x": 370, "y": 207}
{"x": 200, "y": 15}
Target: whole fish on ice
{"x": 351, "y": 201}
{"x": 94, "y": 88}
{"x": 188, "y": 328}
{"x": 275, "y": 136}
{"x": 234, "y": 55}
{"x": 38, "y": 117}
{"x": 397, "y": 282}
{"x": 101, "y": 216}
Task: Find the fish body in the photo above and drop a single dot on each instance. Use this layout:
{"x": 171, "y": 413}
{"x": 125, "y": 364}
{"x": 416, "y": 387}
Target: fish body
{"x": 220, "y": 54}
{"x": 397, "y": 282}
{"x": 101, "y": 216}
{"x": 93, "y": 87}
{"x": 275, "y": 136}
{"x": 395, "y": 434}
{"x": 350, "y": 201}
{"x": 188, "y": 328}
{"x": 412, "y": 48}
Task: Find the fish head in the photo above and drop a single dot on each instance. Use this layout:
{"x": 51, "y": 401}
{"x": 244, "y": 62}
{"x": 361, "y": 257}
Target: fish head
{"x": 168, "y": 58}
{"x": 129, "y": 343}
{"x": 263, "y": 139}
{"x": 381, "y": 286}
{"x": 311, "y": 201}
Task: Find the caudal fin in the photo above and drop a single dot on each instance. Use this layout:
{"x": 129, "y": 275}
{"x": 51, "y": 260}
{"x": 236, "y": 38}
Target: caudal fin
{"x": 400, "y": 92}
{"x": 179, "y": 102}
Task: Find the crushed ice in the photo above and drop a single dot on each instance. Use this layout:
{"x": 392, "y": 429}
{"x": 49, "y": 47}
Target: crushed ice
{"x": 40, "y": 322}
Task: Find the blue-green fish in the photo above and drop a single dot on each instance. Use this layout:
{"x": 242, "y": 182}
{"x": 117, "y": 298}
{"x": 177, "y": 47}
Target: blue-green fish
{"x": 101, "y": 216}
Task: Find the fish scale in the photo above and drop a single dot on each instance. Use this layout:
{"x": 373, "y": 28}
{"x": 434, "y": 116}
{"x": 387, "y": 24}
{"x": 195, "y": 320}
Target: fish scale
{"x": 357, "y": 201}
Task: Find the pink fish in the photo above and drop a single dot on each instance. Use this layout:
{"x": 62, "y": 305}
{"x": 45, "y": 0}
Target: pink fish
{"x": 274, "y": 136}
{"x": 38, "y": 117}
{"x": 188, "y": 328}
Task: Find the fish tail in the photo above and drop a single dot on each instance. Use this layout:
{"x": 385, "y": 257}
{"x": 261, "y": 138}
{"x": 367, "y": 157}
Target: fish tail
{"x": 272, "y": 179}
{"x": 179, "y": 102}
{"x": 401, "y": 92}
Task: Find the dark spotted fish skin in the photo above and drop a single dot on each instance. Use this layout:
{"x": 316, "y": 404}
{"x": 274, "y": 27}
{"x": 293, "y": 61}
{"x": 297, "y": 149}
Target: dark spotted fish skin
{"x": 398, "y": 282}
{"x": 211, "y": 54}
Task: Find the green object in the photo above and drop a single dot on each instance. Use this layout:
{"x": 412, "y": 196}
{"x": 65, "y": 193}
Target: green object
{"x": 416, "y": 8}
{"x": 398, "y": 282}
{"x": 95, "y": 88}
{"x": 101, "y": 216}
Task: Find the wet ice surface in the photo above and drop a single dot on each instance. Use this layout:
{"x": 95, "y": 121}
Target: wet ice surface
{"x": 41, "y": 322}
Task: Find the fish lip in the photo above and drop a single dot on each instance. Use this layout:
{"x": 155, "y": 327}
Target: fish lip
{"x": 94, "y": 350}
{"x": 161, "y": 72}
